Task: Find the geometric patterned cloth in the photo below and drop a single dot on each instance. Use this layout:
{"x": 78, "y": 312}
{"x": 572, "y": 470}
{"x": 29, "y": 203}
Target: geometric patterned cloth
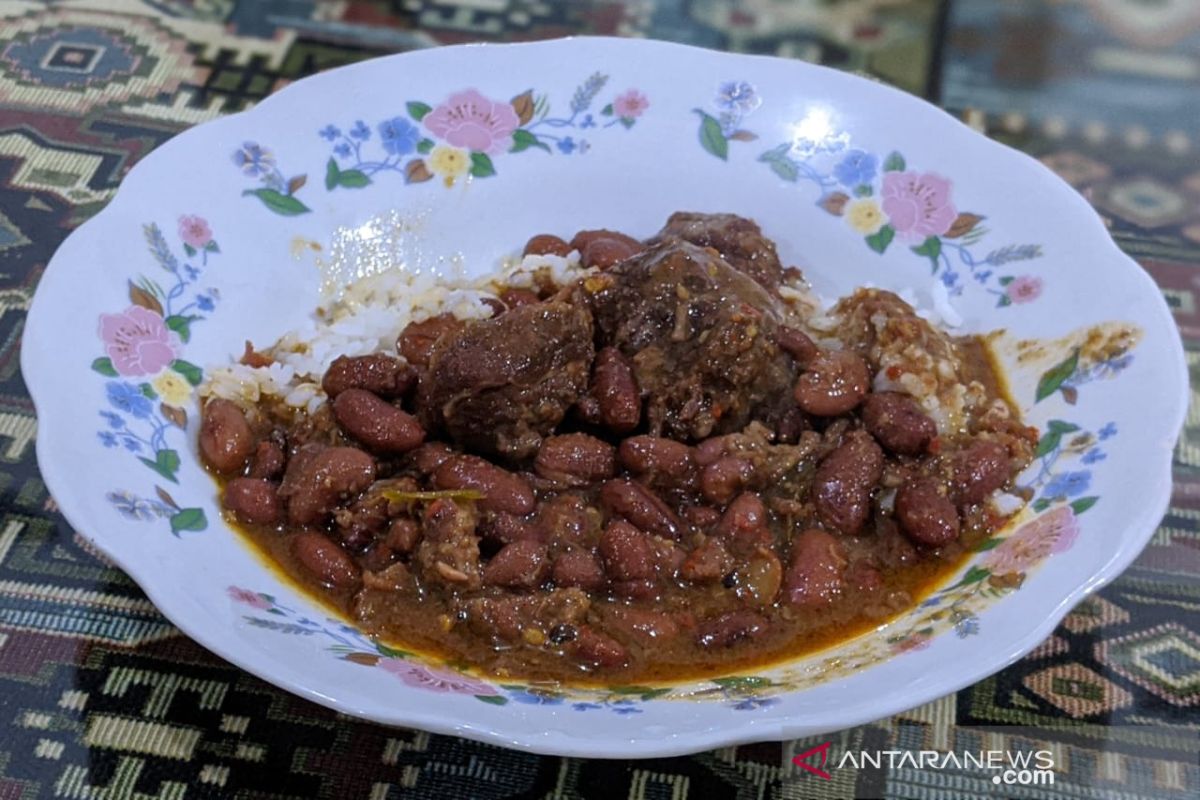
{"x": 100, "y": 697}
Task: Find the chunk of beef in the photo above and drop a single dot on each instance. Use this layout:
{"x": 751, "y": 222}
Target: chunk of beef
{"x": 449, "y": 550}
{"x": 700, "y": 336}
{"x": 739, "y": 241}
{"x": 500, "y": 385}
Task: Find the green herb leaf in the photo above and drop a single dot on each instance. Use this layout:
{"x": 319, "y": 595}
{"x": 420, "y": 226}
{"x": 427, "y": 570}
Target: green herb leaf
{"x": 148, "y": 391}
{"x": 105, "y": 367}
{"x": 988, "y": 544}
{"x": 187, "y": 248}
{"x": 494, "y": 699}
{"x": 1059, "y": 426}
{"x": 279, "y": 203}
{"x": 1054, "y": 377}
{"x": 974, "y": 575}
{"x": 1005, "y": 280}
{"x": 863, "y": 191}
{"x": 742, "y": 682}
{"x": 1041, "y": 504}
{"x": 712, "y": 138}
{"x": 880, "y": 240}
{"x": 165, "y": 463}
{"x": 607, "y": 110}
{"x": 188, "y": 519}
{"x": 391, "y": 652}
{"x": 417, "y": 110}
{"x": 424, "y": 146}
{"x": 1047, "y": 443}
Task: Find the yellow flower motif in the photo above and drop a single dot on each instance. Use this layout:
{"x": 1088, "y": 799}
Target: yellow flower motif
{"x": 449, "y": 162}
{"x": 172, "y": 388}
{"x": 865, "y": 216}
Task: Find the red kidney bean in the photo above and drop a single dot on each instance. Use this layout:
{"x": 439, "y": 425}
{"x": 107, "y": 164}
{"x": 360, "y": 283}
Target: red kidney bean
{"x": 515, "y": 298}
{"x": 835, "y": 382}
{"x": 668, "y": 556}
{"x": 575, "y": 458}
{"x": 898, "y": 423}
{"x": 403, "y": 535}
{"x": 724, "y": 478}
{"x": 604, "y": 248}
{"x": 643, "y": 625}
{"x": 269, "y": 460}
{"x": 745, "y": 523}
{"x": 568, "y": 518}
{"x": 520, "y": 565}
{"x": 431, "y": 455}
{"x": 759, "y": 579}
{"x": 926, "y": 514}
{"x": 844, "y": 480}
{"x": 501, "y": 489}
{"x": 379, "y": 374}
{"x": 863, "y": 578}
{"x": 980, "y": 470}
{"x": 592, "y": 647}
{"x": 502, "y": 528}
{"x": 417, "y": 340}
{"x": 702, "y": 516}
{"x": 644, "y": 589}
{"x": 327, "y": 562}
{"x": 319, "y": 477}
{"x": 616, "y": 391}
{"x": 226, "y": 441}
{"x": 640, "y": 506}
{"x": 708, "y": 563}
{"x": 626, "y": 552}
{"x": 545, "y": 244}
{"x": 710, "y": 450}
{"x": 790, "y": 426}
{"x": 376, "y": 423}
{"x": 657, "y": 455}
{"x": 578, "y": 567}
{"x": 730, "y": 629}
{"x": 814, "y": 573}
{"x": 796, "y": 343}
{"x": 253, "y": 500}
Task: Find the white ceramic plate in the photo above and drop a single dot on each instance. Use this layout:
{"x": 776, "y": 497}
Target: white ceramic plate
{"x": 212, "y": 239}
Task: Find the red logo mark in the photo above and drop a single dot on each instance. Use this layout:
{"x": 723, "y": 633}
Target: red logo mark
{"x": 823, "y": 751}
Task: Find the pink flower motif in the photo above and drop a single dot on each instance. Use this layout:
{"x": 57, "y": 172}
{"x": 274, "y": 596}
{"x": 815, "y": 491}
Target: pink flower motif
{"x": 1052, "y": 532}
{"x": 473, "y": 122}
{"x": 194, "y": 231}
{"x": 435, "y": 680}
{"x": 916, "y": 641}
{"x": 252, "y": 599}
{"x": 630, "y": 105}
{"x": 138, "y": 341}
{"x": 1024, "y": 289}
{"x": 918, "y": 204}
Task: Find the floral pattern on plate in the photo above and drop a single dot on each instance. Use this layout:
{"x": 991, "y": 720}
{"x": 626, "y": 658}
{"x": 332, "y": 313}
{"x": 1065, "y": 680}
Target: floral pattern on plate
{"x": 880, "y": 198}
{"x": 150, "y": 385}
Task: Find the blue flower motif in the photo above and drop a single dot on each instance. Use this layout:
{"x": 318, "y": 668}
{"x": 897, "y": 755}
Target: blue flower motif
{"x": 1108, "y": 431}
{"x": 134, "y": 507}
{"x": 330, "y": 132}
{"x": 1115, "y": 365}
{"x": 360, "y": 131}
{"x": 933, "y": 601}
{"x": 587, "y": 122}
{"x": 969, "y": 626}
{"x": 205, "y": 303}
{"x": 625, "y": 707}
{"x": 343, "y": 150}
{"x": 585, "y": 706}
{"x": 128, "y": 398}
{"x": 114, "y": 420}
{"x": 254, "y": 159}
{"x": 729, "y": 122}
{"x": 1093, "y": 455}
{"x": 566, "y": 145}
{"x": 738, "y": 96}
{"x": 399, "y": 136}
{"x": 751, "y": 703}
{"x": 107, "y": 438}
{"x": 191, "y": 271}
{"x": 949, "y": 278}
{"x": 983, "y": 276}
{"x": 858, "y": 167}
{"x": 1068, "y": 484}
{"x": 534, "y": 698}
{"x": 131, "y": 444}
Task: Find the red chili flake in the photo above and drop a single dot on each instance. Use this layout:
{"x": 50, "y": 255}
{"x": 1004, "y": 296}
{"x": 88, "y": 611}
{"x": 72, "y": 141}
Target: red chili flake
{"x": 894, "y": 372}
{"x": 935, "y": 445}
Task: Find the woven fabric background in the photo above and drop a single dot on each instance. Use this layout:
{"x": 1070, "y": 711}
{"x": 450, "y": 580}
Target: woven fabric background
{"x": 100, "y": 697}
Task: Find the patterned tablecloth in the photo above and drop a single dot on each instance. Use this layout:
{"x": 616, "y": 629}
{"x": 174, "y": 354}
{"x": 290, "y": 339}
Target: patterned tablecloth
{"x": 100, "y": 697}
